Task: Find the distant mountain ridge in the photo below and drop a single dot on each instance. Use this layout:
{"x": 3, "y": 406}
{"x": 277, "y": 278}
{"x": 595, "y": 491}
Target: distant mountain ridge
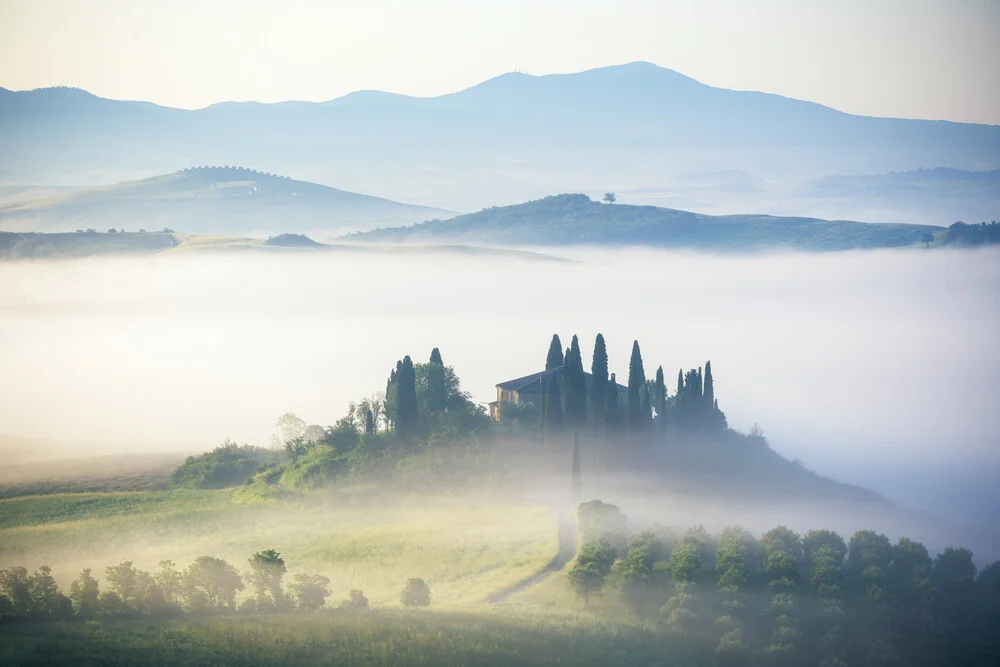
{"x": 219, "y": 200}
{"x": 507, "y": 139}
{"x": 574, "y": 219}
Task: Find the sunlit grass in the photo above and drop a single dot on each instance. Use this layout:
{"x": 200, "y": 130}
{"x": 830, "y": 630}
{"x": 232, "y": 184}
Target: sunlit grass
{"x": 464, "y": 550}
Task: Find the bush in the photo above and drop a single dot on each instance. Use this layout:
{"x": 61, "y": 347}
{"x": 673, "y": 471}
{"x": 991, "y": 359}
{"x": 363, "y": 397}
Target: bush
{"x": 228, "y": 464}
{"x": 415, "y": 593}
{"x": 355, "y": 600}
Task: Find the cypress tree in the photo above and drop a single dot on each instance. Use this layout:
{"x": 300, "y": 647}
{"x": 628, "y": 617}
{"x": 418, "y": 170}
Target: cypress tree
{"x": 599, "y": 379}
{"x": 555, "y": 357}
{"x": 391, "y": 386}
{"x": 553, "y": 405}
{"x": 680, "y": 381}
{"x": 709, "y": 393}
{"x": 577, "y": 470}
{"x": 661, "y": 398}
{"x": 636, "y": 378}
{"x": 369, "y": 423}
{"x": 612, "y": 412}
{"x": 406, "y": 398}
{"x": 646, "y": 415}
{"x": 575, "y": 386}
{"x": 437, "y": 393}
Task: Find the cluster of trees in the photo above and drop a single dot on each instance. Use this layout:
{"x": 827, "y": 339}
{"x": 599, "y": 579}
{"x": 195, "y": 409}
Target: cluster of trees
{"x": 648, "y": 406}
{"x": 789, "y": 599}
{"x": 208, "y": 585}
{"x": 426, "y": 399}
{"x": 423, "y": 402}
{"x": 975, "y": 234}
{"x": 238, "y": 171}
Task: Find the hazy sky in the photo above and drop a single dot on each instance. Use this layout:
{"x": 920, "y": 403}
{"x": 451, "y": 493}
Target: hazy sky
{"x": 908, "y": 58}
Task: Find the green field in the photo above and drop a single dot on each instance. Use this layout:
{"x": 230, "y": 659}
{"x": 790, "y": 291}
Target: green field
{"x": 465, "y": 550}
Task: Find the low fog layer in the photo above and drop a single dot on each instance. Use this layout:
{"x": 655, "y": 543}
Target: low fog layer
{"x": 852, "y": 362}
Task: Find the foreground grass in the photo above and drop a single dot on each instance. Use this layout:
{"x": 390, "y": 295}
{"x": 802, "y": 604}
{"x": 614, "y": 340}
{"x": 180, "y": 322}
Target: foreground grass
{"x": 341, "y": 638}
{"x": 464, "y": 549}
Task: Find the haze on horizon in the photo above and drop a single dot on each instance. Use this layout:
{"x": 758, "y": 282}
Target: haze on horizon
{"x": 929, "y": 59}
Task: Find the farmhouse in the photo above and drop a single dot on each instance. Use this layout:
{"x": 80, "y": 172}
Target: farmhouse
{"x": 531, "y": 389}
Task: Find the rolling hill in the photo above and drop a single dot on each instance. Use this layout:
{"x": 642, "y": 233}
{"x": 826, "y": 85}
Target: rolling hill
{"x": 209, "y": 200}
{"x": 574, "y": 219}
{"x": 505, "y": 140}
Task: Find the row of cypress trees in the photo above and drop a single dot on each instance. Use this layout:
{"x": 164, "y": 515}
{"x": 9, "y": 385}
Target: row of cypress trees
{"x": 567, "y": 404}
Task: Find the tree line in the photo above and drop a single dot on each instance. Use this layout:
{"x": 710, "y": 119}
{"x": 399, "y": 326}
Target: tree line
{"x": 983, "y": 233}
{"x": 208, "y": 585}
{"x": 791, "y": 599}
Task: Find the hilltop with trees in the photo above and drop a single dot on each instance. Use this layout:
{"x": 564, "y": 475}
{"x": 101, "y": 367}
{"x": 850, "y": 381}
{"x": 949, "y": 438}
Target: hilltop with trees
{"x": 575, "y": 219}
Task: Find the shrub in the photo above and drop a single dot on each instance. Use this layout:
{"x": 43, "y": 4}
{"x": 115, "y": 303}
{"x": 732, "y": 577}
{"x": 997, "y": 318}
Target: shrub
{"x": 228, "y": 464}
{"x": 415, "y": 593}
{"x": 355, "y": 600}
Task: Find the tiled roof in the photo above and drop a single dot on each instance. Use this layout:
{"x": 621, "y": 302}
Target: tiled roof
{"x": 532, "y": 384}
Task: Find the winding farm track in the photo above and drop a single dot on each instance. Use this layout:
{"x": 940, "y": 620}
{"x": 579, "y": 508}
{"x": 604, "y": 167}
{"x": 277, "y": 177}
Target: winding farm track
{"x": 566, "y": 553}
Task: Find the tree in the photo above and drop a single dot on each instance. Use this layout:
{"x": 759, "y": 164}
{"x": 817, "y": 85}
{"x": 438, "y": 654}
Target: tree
{"x": 575, "y": 386}
{"x": 552, "y": 411}
{"x": 290, "y": 427}
{"x": 15, "y": 586}
{"x": 709, "y": 393}
{"x": 267, "y": 568}
{"x": 437, "y": 391}
{"x": 599, "y": 380}
{"x": 585, "y": 580}
{"x": 609, "y": 197}
{"x": 355, "y": 600}
{"x": 46, "y": 601}
{"x": 406, "y": 398}
{"x": 646, "y": 406}
{"x": 84, "y": 594}
{"x": 416, "y": 593}
{"x": 636, "y": 379}
{"x": 555, "y": 355}
{"x": 310, "y": 591}
{"x": 927, "y": 239}
{"x": 369, "y": 424}
{"x": 170, "y": 581}
{"x": 660, "y": 388}
{"x": 214, "y": 581}
{"x": 612, "y": 404}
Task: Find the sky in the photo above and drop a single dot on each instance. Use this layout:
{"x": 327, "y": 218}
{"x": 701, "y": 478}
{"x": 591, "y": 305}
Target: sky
{"x": 936, "y": 59}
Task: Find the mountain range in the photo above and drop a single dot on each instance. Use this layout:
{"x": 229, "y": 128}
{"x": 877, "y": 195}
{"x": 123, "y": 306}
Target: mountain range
{"x": 627, "y": 128}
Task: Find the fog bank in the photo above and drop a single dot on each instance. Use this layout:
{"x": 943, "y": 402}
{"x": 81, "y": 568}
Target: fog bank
{"x": 847, "y": 360}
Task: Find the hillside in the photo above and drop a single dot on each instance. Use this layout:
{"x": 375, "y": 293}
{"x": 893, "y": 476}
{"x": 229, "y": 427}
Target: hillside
{"x": 215, "y": 200}
{"x": 507, "y": 139}
{"x": 574, "y": 219}
{"x": 40, "y": 245}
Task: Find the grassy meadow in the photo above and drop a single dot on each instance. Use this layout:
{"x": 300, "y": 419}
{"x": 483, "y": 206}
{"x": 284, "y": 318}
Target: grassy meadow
{"x": 464, "y": 549}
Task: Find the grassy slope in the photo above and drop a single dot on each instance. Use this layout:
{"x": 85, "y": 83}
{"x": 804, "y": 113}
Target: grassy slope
{"x": 464, "y": 551}
{"x": 576, "y": 220}
{"x": 213, "y": 200}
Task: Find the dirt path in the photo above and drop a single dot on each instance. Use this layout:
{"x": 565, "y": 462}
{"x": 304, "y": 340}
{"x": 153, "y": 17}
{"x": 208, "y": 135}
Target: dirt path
{"x": 566, "y": 553}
